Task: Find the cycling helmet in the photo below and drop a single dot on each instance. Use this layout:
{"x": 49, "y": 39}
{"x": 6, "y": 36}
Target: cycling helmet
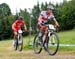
{"x": 20, "y": 18}
{"x": 50, "y": 7}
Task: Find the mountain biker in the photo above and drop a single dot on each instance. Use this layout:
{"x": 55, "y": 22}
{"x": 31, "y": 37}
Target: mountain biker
{"x": 43, "y": 19}
{"x": 17, "y": 26}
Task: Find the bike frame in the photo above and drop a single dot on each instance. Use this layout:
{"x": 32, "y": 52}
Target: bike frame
{"x": 50, "y": 30}
{"x": 19, "y": 41}
{"x": 45, "y": 41}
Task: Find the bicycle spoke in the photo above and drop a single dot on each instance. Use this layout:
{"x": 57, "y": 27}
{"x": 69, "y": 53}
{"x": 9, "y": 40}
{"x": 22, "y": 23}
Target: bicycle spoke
{"x": 53, "y": 44}
{"x": 37, "y": 45}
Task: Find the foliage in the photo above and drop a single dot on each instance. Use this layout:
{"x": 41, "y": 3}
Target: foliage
{"x": 64, "y": 13}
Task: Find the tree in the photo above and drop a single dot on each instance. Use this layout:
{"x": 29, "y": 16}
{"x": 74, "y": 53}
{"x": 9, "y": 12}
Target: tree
{"x": 4, "y": 13}
{"x": 4, "y": 10}
{"x": 26, "y": 16}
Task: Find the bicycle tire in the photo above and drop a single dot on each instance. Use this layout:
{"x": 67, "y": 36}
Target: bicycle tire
{"x": 36, "y": 43}
{"x": 20, "y": 46}
{"x": 57, "y": 38}
{"x": 16, "y": 45}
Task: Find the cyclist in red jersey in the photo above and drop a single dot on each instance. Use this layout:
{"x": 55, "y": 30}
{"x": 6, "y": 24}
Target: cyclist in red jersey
{"x": 44, "y": 17}
{"x": 17, "y": 26}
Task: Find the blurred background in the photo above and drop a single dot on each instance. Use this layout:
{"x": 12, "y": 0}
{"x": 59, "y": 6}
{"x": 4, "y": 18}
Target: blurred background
{"x": 10, "y": 10}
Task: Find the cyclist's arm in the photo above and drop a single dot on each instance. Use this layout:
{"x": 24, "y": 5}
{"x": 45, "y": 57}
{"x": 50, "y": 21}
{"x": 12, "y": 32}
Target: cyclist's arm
{"x": 25, "y": 27}
{"x": 40, "y": 19}
{"x": 55, "y": 22}
{"x": 13, "y": 25}
{"x": 54, "y": 19}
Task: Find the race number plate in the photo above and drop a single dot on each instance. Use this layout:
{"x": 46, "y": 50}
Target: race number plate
{"x": 19, "y": 31}
{"x": 51, "y": 27}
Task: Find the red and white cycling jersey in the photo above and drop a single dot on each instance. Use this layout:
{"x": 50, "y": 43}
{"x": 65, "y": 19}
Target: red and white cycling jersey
{"x": 45, "y": 17}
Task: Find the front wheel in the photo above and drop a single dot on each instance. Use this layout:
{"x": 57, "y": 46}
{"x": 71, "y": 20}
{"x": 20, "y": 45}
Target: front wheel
{"x": 15, "y": 44}
{"x": 37, "y": 45}
{"x": 20, "y": 42}
{"x": 53, "y": 43}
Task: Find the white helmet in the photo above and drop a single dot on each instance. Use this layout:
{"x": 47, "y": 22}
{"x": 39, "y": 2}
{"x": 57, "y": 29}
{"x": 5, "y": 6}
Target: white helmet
{"x": 50, "y": 7}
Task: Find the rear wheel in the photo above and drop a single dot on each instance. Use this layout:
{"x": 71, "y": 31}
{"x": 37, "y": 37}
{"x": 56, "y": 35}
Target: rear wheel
{"x": 53, "y": 43}
{"x": 37, "y": 45}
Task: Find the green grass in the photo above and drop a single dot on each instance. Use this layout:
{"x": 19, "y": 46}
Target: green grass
{"x": 7, "y": 52}
{"x": 66, "y": 37}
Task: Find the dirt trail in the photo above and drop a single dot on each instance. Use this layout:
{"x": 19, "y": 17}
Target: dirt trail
{"x": 9, "y": 53}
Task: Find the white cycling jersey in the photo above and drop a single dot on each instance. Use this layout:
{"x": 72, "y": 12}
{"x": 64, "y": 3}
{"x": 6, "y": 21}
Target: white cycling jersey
{"x": 46, "y": 16}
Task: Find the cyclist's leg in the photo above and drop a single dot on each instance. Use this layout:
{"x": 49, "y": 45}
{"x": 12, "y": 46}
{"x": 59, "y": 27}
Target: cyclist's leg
{"x": 46, "y": 35}
{"x": 40, "y": 33}
{"x": 15, "y": 36}
{"x": 45, "y": 28}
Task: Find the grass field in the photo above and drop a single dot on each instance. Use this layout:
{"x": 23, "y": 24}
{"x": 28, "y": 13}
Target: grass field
{"x": 67, "y": 37}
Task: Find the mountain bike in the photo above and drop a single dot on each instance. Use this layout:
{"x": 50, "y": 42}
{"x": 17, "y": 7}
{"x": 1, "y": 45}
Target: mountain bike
{"x": 50, "y": 43}
{"x": 19, "y": 41}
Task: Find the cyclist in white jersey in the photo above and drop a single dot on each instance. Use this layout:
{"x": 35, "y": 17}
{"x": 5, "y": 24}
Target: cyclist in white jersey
{"x": 44, "y": 17}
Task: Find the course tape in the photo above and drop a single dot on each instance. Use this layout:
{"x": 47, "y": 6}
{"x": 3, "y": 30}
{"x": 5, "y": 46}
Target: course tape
{"x": 66, "y": 44}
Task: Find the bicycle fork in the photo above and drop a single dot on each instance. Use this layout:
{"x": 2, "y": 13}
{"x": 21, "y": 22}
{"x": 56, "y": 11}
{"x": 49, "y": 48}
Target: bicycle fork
{"x": 51, "y": 38}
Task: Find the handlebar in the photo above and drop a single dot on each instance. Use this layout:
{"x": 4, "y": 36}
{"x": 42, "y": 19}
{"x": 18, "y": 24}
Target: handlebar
{"x": 20, "y": 31}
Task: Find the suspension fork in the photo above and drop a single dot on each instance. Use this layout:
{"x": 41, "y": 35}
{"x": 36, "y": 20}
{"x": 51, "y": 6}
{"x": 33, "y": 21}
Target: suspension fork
{"x": 52, "y": 40}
